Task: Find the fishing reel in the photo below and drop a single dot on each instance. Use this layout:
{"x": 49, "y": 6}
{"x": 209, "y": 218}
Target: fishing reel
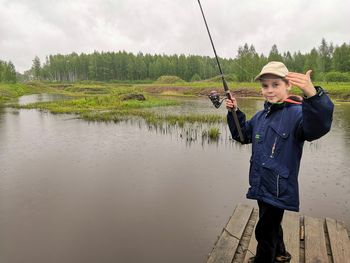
{"x": 214, "y": 96}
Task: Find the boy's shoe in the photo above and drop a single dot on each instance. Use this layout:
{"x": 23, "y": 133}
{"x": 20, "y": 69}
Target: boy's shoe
{"x": 279, "y": 259}
{"x": 283, "y": 258}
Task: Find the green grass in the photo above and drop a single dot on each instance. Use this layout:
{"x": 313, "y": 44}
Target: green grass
{"x": 213, "y": 133}
{"x": 169, "y": 80}
{"x": 112, "y": 108}
{"x": 96, "y": 101}
{"x": 10, "y": 91}
{"x": 150, "y": 117}
{"x": 338, "y": 91}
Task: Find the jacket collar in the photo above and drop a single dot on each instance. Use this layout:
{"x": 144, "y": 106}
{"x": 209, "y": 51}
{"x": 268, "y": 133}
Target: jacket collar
{"x": 291, "y": 100}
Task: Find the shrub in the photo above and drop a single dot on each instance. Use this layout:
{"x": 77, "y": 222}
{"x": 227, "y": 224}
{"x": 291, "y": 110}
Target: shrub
{"x": 169, "y": 80}
{"x": 335, "y": 76}
{"x": 195, "y": 77}
{"x": 228, "y": 77}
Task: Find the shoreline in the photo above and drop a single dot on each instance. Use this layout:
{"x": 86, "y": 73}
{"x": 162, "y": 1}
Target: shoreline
{"x": 106, "y": 101}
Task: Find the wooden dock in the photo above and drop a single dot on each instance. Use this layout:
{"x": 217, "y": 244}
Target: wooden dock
{"x": 308, "y": 239}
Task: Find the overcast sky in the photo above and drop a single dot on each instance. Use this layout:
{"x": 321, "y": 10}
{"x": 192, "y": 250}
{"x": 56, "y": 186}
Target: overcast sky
{"x": 43, "y": 27}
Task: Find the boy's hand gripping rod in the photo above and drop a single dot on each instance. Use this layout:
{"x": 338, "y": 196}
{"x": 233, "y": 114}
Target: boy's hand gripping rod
{"x": 214, "y": 96}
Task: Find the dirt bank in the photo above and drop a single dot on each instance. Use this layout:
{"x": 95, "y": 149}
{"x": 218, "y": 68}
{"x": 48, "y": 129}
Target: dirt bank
{"x": 181, "y": 90}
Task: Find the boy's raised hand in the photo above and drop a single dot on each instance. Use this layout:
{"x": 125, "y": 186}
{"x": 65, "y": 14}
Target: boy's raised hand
{"x": 302, "y": 81}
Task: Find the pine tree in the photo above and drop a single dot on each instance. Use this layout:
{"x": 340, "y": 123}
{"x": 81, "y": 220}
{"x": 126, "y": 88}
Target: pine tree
{"x": 274, "y": 55}
{"x": 325, "y": 53}
{"x": 312, "y": 63}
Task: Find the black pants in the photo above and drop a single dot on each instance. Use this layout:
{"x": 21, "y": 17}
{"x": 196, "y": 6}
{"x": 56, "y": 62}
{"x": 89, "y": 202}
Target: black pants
{"x": 269, "y": 233}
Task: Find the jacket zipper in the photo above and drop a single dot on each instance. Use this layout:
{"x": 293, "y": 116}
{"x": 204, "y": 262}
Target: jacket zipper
{"x": 278, "y": 189}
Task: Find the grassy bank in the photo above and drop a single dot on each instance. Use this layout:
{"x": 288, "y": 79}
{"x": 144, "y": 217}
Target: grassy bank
{"x": 9, "y": 91}
{"x": 337, "y": 91}
{"x": 114, "y": 109}
{"x": 111, "y": 101}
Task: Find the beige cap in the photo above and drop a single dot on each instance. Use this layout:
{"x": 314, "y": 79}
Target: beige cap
{"x": 275, "y": 68}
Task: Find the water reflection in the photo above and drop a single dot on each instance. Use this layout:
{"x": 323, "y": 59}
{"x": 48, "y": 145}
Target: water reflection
{"x": 43, "y": 97}
{"x": 341, "y": 125}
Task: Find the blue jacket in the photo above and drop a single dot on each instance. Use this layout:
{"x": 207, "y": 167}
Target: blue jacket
{"x": 277, "y": 134}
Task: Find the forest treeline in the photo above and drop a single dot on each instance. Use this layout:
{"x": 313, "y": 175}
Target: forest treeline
{"x": 329, "y": 63}
{"x": 7, "y": 72}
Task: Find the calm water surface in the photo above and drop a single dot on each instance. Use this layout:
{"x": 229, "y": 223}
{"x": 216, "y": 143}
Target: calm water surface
{"x": 74, "y": 191}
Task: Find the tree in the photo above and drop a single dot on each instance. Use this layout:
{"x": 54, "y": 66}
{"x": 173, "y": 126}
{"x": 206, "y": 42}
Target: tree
{"x": 193, "y": 67}
{"x": 311, "y": 63}
{"x": 274, "y": 55}
{"x": 181, "y": 66}
{"x": 288, "y": 60}
{"x": 341, "y": 58}
{"x": 7, "y": 72}
{"x": 36, "y": 68}
{"x": 247, "y": 64}
{"x": 2, "y": 64}
{"x": 325, "y": 53}
{"x": 107, "y": 66}
{"x": 298, "y": 62}
{"x": 10, "y": 74}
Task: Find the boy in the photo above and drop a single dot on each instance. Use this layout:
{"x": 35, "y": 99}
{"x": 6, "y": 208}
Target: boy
{"x": 277, "y": 134}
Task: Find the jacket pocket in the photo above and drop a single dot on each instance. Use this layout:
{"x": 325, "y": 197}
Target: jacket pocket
{"x": 276, "y": 140}
{"x": 274, "y": 178}
{"x": 280, "y": 132}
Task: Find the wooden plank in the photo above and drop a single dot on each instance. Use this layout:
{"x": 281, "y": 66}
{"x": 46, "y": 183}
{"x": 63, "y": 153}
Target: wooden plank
{"x": 239, "y": 220}
{"x": 291, "y": 234}
{"x": 227, "y": 244}
{"x": 237, "y": 239}
{"x": 244, "y": 242}
{"x": 315, "y": 242}
{"x": 253, "y": 243}
{"x": 223, "y": 251}
{"x": 339, "y": 241}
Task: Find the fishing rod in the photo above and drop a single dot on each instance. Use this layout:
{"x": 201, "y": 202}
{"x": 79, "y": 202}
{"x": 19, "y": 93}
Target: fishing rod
{"x": 214, "y": 96}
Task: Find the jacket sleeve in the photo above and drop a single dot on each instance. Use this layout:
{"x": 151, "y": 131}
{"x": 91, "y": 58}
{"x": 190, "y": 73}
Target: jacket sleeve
{"x": 317, "y": 116}
{"x": 246, "y": 127}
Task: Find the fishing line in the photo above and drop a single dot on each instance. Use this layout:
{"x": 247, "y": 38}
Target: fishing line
{"x": 214, "y": 96}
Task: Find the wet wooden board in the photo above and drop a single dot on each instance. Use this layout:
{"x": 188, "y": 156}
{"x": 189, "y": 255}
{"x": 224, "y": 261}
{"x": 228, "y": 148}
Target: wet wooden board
{"x": 227, "y": 244}
{"x": 291, "y": 234}
{"x": 252, "y": 246}
{"x": 339, "y": 241}
{"x": 315, "y": 241}
{"x": 308, "y": 239}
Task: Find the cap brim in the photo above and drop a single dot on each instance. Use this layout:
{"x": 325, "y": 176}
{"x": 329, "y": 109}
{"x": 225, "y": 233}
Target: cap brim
{"x": 258, "y": 77}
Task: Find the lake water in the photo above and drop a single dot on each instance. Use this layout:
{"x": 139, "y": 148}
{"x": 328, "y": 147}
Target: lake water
{"x": 77, "y": 191}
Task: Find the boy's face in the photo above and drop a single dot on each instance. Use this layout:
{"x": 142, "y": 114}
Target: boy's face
{"x": 273, "y": 88}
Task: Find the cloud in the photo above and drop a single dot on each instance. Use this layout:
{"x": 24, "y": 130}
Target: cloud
{"x": 47, "y": 27}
